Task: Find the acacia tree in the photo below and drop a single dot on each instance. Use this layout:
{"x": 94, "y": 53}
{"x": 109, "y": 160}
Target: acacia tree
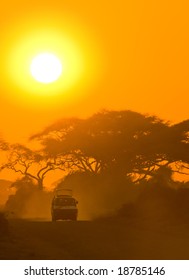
{"x": 64, "y": 139}
{"x": 33, "y": 164}
{"x": 126, "y": 142}
{"x": 178, "y": 147}
{"x": 4, "y": 147}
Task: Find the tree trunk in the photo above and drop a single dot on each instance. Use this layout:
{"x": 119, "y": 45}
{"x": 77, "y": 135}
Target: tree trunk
{"x": 40, "y": 184}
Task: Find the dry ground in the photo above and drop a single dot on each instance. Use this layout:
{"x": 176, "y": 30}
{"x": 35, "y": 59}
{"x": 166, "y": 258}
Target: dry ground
{"x": 94, "y": 240}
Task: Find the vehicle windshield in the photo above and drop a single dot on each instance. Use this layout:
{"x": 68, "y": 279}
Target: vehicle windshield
{"x": 64, "y": 201}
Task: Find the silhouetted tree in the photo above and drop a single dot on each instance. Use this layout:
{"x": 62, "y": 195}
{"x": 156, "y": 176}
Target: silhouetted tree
{"x": 33, "y": 164}
{"x": 177, "y": 144}
{"x": 126, "y": 142}
{"x": 4, "y": 146}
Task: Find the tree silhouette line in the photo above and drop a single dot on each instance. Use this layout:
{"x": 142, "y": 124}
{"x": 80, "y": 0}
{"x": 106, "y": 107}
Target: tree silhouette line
{"x": 125, "y": 146}
{"x": 125, "y": 142}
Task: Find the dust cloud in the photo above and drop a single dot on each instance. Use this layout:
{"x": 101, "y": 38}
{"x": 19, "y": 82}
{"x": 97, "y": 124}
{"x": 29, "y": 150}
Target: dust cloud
{"x": 96, "y": 195}
{"x": 29, "y": 202}
{"x": 99, "y": 195}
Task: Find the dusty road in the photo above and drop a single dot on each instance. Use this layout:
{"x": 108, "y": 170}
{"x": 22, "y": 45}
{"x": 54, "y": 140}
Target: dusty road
{"x": 93, "y": 240}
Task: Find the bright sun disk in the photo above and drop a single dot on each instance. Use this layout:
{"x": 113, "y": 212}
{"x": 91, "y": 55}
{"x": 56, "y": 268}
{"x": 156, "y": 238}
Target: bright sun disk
{"x": 46, "y": 68}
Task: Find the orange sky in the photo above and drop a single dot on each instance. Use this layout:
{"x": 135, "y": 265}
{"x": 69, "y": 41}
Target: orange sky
{"x": 139, "y": 50}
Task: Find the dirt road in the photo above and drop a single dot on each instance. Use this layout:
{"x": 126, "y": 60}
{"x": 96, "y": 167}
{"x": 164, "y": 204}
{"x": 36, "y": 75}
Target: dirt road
{"x": 93, "y": 240}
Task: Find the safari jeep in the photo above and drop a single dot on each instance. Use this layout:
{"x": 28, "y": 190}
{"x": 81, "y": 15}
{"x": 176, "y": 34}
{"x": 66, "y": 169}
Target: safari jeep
{"x": 64, "y": 206}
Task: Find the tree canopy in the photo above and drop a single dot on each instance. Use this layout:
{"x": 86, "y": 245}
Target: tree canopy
{"x": 127, "y": 142}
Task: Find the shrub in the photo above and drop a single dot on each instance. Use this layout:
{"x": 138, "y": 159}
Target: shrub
{"x": 4, "y": 229}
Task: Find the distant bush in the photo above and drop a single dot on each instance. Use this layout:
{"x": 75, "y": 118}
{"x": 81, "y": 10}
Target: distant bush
{"x": 28, "y": 201}
{"x": 4, "y": 228}
{"x": 158, "y": 205}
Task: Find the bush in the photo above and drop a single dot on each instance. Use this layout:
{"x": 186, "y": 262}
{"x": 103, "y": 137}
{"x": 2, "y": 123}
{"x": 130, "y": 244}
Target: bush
{"x": 4, "y": 229}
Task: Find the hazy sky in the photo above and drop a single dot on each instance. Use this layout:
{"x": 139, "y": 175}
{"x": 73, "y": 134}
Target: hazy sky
{"x": 134, "y": 54}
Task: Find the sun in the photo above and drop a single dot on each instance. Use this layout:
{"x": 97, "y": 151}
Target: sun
{"x": 46, "y": 68}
